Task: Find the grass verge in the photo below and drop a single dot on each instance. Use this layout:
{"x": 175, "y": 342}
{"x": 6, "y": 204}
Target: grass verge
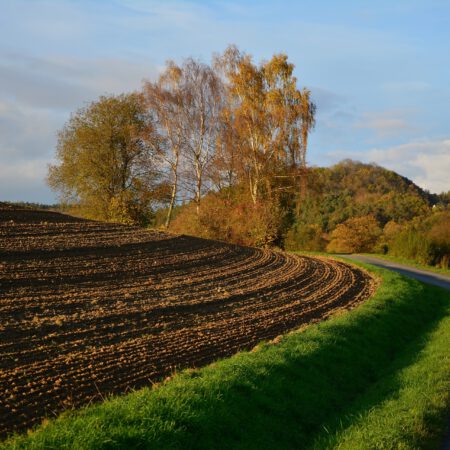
{"x": 374, "y": 377}
{"x": 410, "y": 262}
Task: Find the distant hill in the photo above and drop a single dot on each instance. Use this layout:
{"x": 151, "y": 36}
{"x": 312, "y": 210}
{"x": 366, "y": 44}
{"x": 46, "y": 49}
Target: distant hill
{"x": 352, "y": 189}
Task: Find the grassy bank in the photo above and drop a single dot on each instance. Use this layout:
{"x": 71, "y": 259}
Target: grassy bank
{"x": 368, "y": 378}
{"x": 410, "y": 262}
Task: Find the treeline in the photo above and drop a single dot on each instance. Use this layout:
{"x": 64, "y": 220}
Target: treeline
{"x": 354, "y": 207}
{"x": 227, "y": 139}
{"x": 348, "y": 208}
{"x": 219, "y": 151}
{"x": 28, "y": 205}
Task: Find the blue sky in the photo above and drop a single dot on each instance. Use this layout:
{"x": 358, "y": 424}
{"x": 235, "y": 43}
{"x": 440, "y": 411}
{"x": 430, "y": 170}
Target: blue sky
{"x": 379, "y": 72}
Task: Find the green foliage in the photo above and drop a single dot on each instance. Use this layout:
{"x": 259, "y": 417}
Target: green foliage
{"x": 426, "y": 241}
{"x": 309, "y": 237}
{"x": 232, "y": 137}
{"x": 350, "y": 207}
{"x": 373, "y": 377}
{"x": 410, "y": 243}
{"x": 351, "y": 190}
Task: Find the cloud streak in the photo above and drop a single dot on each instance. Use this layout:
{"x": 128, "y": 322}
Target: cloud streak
{"x": 23, "y": 180}
{"x": 386, "y": 124}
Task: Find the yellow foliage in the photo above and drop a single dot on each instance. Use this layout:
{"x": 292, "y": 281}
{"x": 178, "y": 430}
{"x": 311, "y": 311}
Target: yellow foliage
{"x": 358, "y": 234}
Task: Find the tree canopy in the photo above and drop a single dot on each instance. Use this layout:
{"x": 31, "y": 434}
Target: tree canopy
{"x": 233, "y": 128}
{"x": 105, "y": 160}
{"x": 219, "y": 151}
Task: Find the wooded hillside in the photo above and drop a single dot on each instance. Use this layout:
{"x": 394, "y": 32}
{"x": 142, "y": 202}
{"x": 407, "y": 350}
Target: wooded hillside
{"x": 349, "y": 207}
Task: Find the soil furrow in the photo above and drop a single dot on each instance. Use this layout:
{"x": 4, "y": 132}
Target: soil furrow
{"x": 89, "y": 309}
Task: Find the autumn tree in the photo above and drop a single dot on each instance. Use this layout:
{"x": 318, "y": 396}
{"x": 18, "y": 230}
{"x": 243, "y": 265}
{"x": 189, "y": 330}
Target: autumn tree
{"x": 262, "y": 143}
{"x": 270, "y": 118}
{"x": 165, "y": 102}
{"x": 357, "y": 234}
{"x": 186, "y": 103}
{"x": 224, "y": 173}
{"x": 203, "y": 96}
{"x": 105, "y": 160}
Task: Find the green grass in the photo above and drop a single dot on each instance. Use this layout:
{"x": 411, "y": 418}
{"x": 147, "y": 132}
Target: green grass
{"x": 397, "y": 259}
{"x": 414, "y": 398}
{"x": 374, "y": 377}
{"x": 410, "y": 262}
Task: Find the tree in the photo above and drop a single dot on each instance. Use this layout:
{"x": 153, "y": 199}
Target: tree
{"x": 357, "y": 234}
{"x": 164, "y": 100}
{"x": 203, "y": 95}
{"x": 266, "y": 121}
{"x": 186, "y": 104}
{"x": 105, "y": 160}
{"x": 270, "y": 117}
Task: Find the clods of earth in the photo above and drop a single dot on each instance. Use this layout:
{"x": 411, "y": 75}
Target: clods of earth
{"x": 89, "y": 309}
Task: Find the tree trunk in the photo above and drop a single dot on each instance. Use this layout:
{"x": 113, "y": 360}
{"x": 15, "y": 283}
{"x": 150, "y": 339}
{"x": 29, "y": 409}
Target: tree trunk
{"x": 172, "y": 202}
{"x": 174, "y": 189}
{"x": 198, "y": 193}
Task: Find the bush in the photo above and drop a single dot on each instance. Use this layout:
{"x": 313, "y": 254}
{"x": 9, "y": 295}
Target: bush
{"x": 412, "y": 244}
{"x": 232, "y": 218}
{"x": 358, "y": 234}
{"x": 306, "y": 237}
{"x": 426, "y": 241}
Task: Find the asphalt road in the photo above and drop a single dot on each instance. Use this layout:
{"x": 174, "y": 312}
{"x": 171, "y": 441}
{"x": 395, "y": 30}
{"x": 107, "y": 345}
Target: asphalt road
{"x": 422, "y": 275}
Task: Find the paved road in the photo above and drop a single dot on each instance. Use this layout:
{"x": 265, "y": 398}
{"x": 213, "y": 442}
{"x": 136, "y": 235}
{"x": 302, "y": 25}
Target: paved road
{"x": 421, "y": 275}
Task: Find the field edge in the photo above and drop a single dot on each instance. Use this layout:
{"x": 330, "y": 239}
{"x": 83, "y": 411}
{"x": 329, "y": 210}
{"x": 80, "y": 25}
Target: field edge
{"x": 194, "y": 402}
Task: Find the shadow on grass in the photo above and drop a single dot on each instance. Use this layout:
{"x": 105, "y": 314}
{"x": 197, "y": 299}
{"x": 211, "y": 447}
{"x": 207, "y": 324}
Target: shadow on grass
{"x": 278, "y": 397}
{"x": 314, "y": 378}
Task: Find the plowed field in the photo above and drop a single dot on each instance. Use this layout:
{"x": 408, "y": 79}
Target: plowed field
{"x": 88, "y": 308}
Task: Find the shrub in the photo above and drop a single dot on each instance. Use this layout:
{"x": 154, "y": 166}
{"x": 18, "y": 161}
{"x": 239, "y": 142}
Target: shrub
{"x": 426, "y": 241}
{"x": 232, "y": 218}
{"x": 358, "y": 234}
{"x": 306, "y": 237}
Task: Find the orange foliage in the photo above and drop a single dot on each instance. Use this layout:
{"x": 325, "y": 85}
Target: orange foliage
{"x": 235, "y": 220}
{"x": 358, "y": 234}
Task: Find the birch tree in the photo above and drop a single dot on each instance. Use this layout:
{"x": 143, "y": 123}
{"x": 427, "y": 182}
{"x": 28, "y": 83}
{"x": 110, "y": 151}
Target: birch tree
{"x": 203, "y": 95}
{"x": 164, "y": 100}
{"x": 271, "y": 118}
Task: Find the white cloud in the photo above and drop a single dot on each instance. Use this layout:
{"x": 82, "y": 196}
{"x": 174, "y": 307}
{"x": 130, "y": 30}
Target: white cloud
{"x": 37, "y": 96}
{"x": 20, "y": 123}
{"x": 56, "y": 55}
{"x": 66, "y": 83}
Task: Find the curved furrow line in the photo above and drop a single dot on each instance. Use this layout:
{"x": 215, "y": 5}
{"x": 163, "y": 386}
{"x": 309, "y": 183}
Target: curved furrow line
{"x": 89, "y": 309}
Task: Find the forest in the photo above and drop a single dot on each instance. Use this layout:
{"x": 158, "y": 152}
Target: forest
{"x": 219, "y": 151}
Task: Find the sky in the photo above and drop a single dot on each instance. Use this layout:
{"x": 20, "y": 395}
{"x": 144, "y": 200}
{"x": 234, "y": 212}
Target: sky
{"x": 379, "y": 72}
